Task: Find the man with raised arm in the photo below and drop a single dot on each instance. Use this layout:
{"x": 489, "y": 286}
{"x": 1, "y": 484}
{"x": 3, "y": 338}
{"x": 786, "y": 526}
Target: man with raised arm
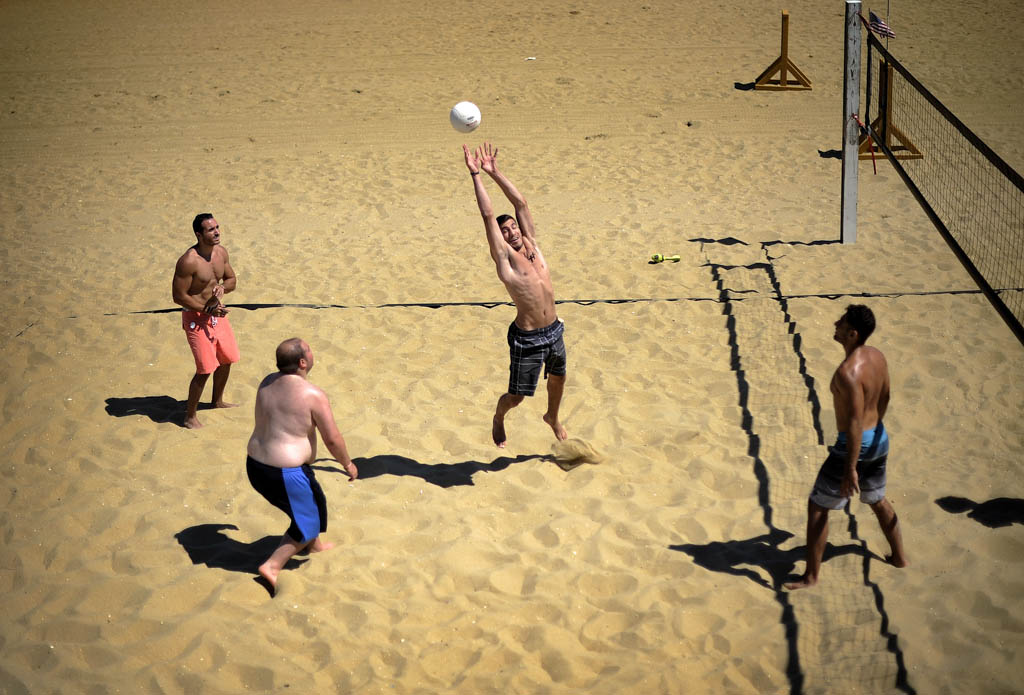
{"x": 289, "y": 412}
{"x": 860, "y": 392}
{"x": 535, "y": 337}
{"x": 202, "y": 276}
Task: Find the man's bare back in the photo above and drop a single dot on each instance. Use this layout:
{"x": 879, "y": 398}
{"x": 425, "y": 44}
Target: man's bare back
{"x": 284, "y": 434}
{"x": 865, "y": 371}
{"x": 289, "y": 412}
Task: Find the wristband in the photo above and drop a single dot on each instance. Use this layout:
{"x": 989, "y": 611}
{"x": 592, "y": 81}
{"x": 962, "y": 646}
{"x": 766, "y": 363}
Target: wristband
{"x": 474, "y": 173}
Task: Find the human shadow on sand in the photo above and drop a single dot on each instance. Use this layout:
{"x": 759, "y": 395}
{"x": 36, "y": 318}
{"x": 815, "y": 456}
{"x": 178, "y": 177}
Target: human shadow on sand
{"x": 995, "y": 513}
{"x": 440, "y": 474}
{"x": 743, "y": 558}
{"x": 207, "y": 544}
{"x": 740, "y": 557}
{"x": 156, "y": 408}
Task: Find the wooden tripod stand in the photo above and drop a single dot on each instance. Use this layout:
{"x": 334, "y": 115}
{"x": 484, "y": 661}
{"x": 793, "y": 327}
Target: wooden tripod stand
{"x": 897, "y": 142}
{"x": 774, "y": 76}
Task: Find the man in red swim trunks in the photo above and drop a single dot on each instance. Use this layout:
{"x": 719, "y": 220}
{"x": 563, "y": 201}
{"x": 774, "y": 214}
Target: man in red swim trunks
{"x": 202, "y": 277}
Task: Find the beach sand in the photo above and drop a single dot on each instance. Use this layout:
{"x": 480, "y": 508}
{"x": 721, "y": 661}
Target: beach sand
{"x": 318, "y": 136}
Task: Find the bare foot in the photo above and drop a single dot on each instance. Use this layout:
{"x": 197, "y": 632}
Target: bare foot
{"x": 897, "y": 562}
{"x": 318, "y": 546}
{"x": 498, "y": 431}
{"x": 224, "y": 404}
{"x": 192, "y": 423}
{"x": 805, "y": 582}
{"x": 270, "y": 575}
{"x": 556, "y": 427}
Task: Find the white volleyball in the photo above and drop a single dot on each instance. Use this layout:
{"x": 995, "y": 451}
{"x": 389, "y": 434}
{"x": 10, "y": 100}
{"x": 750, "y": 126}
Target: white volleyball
{"x": 465, "y": 117}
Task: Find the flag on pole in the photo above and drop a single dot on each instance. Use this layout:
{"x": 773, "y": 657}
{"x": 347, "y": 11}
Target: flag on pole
{"x": 878, "y": 26}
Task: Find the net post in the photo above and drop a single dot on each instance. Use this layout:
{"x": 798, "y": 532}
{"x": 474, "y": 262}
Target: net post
{"x": 851, "y": 133}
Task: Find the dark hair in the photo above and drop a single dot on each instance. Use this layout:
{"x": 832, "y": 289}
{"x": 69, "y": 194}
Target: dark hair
{"x": 288, "y": 355}
{"x": 197, "y": 223}
{"x": 861, "y": 319}
{"x": 501, "y": 219}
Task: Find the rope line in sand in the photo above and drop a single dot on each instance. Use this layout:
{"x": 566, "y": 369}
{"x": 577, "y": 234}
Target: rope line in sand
{"x": 251, "y": 306}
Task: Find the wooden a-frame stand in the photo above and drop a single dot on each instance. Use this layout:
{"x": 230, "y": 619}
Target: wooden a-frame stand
{"x": 782, "y": 65}
{"x": 898, "y": 143}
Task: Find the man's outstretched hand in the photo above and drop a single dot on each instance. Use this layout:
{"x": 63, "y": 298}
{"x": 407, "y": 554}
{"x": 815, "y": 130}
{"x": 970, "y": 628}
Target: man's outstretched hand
{"x": 488, "y": 157}
{"x": 472, "y": 161}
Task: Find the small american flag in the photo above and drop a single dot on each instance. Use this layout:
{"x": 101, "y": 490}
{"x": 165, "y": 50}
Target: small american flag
{"x": 878, "y": 26}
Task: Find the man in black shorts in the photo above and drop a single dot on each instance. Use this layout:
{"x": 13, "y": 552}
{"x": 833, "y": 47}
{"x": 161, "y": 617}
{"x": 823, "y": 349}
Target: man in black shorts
{"x": 535, "y": 337}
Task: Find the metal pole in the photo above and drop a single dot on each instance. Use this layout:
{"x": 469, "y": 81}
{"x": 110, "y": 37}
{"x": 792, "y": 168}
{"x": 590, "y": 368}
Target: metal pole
{"x": 851, "y": 106}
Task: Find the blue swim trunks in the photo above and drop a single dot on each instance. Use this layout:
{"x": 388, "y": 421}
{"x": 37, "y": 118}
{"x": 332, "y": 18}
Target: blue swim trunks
{"x": 874, "y": 452}
{"x": 295, "y": 492}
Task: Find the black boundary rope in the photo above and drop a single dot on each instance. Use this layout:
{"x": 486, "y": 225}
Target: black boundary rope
{"x": 581, "y": 302}
{"x": 724, "y": 295}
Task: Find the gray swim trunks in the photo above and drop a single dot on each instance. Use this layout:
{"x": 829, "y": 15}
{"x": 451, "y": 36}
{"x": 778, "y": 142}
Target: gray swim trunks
{"x": 874, "y": 452}
{"x": 528, "y": 350}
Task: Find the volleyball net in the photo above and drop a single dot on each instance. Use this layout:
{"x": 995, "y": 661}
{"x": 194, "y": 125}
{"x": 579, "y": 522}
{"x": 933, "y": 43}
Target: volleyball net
{"x": 974, "y": 198}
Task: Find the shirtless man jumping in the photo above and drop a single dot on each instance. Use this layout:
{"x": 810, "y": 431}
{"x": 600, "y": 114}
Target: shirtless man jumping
{"x": 860, "y": 392}
{"x": 289, "y": 411}
{"x": 535, "y": 337}
{"x": 202, "y": 276}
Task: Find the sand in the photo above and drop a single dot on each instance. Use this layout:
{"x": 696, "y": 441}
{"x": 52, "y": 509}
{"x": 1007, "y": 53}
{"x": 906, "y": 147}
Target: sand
{"x": 317, "y": 134}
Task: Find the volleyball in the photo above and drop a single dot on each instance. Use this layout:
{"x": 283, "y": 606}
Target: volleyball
{"x": 465, "y": 117}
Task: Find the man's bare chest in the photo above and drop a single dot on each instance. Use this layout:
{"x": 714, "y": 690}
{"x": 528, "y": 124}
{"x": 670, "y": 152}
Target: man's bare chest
{"x": 208, "y": 270}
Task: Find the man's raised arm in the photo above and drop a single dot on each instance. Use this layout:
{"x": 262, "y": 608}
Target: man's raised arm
{"x": 496, "y": 242}
{"x": 489, "y": 163}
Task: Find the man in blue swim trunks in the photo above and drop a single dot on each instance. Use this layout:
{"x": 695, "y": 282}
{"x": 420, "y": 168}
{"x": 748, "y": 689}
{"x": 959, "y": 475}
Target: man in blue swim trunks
{"x": 860, "y": 393}
{"x": 535, "y": 337}
{"x": 289, "y": 412}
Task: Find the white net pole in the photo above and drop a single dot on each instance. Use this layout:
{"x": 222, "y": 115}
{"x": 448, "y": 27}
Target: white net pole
{"x": 851, "y": 133}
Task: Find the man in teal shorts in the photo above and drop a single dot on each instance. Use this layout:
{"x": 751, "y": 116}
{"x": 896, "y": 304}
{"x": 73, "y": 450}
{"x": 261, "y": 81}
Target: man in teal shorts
{"x": 856, "y": 463}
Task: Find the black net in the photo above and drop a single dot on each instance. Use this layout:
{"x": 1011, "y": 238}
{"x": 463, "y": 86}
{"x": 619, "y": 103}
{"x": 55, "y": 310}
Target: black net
{"x": 974, "y": 198}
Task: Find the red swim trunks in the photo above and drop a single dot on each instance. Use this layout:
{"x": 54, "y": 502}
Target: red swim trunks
{"x": 211, "y": 339}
